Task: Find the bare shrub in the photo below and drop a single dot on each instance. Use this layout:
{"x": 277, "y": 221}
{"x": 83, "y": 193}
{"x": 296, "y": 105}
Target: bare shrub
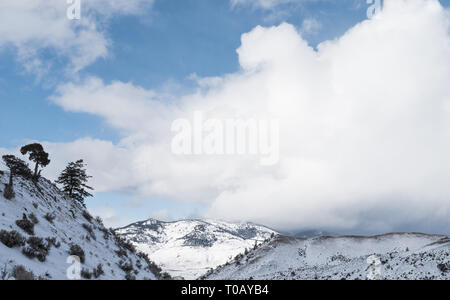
{"x": 50, "y": 217}
{"x": 36, "y": 249}
{"x": 121, "y": 253}
{"x": 26, "y": 225}
{"x": 33, "y": 218}
{"x": 86, "y": 274}
{"x": 154, "y": 268}
{"x": 20, "y": 273}
{"x": 12, "y": 239}
{"x": 130, "y": 277}
{"x": 97, "y": 272}
{"x": 87, "y": 216}
{"x": 127, "y": 267}
{"x": 77, "y": 251}
{"x": 99, "y": 221}
{"x": 51, "y": 241}
{"x": 89, "y": 229}
{"x": 124, "y": 244}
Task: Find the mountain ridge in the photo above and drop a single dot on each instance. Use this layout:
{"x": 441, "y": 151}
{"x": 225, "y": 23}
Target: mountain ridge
{"x": 391, "y": 256}
{"x": 189, "y": 248}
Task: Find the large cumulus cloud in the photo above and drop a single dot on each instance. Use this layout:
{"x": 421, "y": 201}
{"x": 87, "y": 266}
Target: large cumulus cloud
{"x": 365, "y": 131}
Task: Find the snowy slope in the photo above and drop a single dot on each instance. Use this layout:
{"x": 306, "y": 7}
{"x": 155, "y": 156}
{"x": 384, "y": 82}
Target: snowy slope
{"x": 400, "y": 256}
{"x": 190, "y": 248}
{"x": 70, "y": 226}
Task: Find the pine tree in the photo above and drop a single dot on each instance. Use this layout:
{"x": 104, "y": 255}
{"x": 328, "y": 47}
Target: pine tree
{"x": 17, "y": 167}
{"x": 74, "y": 179}
{"x": 37, "y": 155}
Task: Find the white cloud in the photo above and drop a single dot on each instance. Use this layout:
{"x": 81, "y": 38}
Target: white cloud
{"x": 35, "y": 27}
{"x": 310, "y": 26}
{"x": 107, "y": 163}
{"x": 365, "y": 128}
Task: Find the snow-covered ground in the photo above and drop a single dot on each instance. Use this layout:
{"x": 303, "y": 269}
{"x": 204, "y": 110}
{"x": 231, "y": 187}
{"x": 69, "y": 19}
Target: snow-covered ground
{"x": 69, "y": 227}
{"x": 390, "y": 256}
{"x": 190, "y": 248}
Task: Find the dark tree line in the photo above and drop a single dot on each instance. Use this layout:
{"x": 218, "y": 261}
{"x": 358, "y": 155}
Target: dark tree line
{"x": 73, "y": 178}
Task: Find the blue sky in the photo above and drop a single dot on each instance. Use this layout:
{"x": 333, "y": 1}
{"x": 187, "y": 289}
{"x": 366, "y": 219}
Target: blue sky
{"x": 158, "y": 49}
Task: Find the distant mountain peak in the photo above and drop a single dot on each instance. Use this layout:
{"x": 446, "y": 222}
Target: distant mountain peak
{"x": 191, "y": 247}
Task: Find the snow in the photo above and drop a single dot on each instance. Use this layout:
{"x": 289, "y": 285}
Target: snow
{"x": 402, "y": 256}
{"x": 190, "y": 248}
{"x": 67, "y": 228}
{"x": 208, "y": 249}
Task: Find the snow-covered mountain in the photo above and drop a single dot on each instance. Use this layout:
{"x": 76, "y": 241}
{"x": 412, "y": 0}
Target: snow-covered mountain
{"x": 391, "y": 256}
{"x": 190, "y": 248}
{"x": 40, "y": 228}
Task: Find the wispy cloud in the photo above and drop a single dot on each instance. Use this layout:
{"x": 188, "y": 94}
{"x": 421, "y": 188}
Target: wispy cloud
{"x": 310, "y": 26}
{"x": 39, "y": 31}
{"x": 264, "y": 4}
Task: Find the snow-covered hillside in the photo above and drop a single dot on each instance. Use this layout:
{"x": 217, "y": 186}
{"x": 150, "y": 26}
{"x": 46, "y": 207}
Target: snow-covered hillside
{"x": 40, "y": 228}
{"x": 190, "y": 248}
{"x": 390, "y": 256}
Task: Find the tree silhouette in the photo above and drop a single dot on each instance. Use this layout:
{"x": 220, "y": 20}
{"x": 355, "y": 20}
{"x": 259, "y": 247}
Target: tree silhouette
{"x": 37, "y": 155}
{"x": 74, "y": 179}
{"x": 17, "y": 167}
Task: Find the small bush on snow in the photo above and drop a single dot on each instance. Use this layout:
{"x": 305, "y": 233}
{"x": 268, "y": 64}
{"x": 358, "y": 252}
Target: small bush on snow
{"x": 121, "y": 253}
{"x": 49, "y": 217}
{"x": 130, "y": 277}
{"x": 124, "y": 244}
{"x": 165, "y": 276}
{"x": 86, "y": 274}
{"x": 20, "y": 273}
{"x": 154, "y": 268}
{"x": 127, "y": 267}
{"x": 26, "y": 225}
{"x": 12, "y": 239}
{"x": 52, "y": 242}
{"x": 33, "y": 218}
{"x": 99, "y": 221}
{"x": 97, "y": 272}
{"x": 444, "y": 267}
{"x": 90, "y": 231}
{"x": 36, "y": 249}
{"x": 76, "y": 250}
{"x": 105, "y": 232}
{"x": 87, "y": 216}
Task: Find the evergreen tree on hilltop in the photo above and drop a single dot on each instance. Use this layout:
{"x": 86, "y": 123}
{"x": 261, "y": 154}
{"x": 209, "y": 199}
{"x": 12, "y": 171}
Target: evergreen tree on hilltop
{"x": 74, "y": 179}
{"x": 37, "y": 155}
{"x": 17, "y": 167}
